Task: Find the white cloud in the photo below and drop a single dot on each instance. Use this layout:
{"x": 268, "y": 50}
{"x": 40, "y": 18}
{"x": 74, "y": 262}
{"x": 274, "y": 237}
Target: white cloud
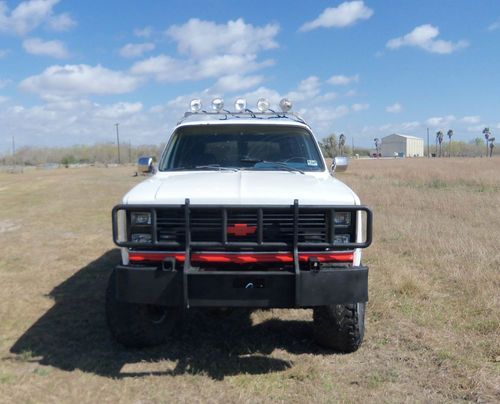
{"x": 236, "y": 82}
{"x": 473, "y": 119}
{"x": 133, "y": 50}
{"x": 441, "y": 121}
{"x": 3, "y": 83}
{"x": 167, "y": 69}
{"x": 30, "y": 14}
{"x": 307, "y": 89}
{"x": 61, "y": 22}
{"x": 119, "y": 110}
{"x": 65, "y": 118}
{"x": 217, "y": 65}
{"x": 341, "y": 80}
{"x": 82, "y": 121}
{"x": 322, "y": 118}
{"x": 200, "y": 39}
{"x": 359, "y": 107}
{"x": 394, "y": 108}
{"x": 72, "y": 80}
{"x": 212, "y": 50}
{"x": 143, "y": 32}
{"x": 36, "y": 46}
{"x": 403, "y": 127}
{"x": 3, "y": 99}
{"x": 341, "y": 16}
{"x": 163, "y": 68}
{"x": 425, "y": 37}
{"x": 494, "y": 26}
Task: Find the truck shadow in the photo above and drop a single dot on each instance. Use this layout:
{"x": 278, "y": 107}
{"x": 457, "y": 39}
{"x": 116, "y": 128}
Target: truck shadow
{"x": 73, "y": 335}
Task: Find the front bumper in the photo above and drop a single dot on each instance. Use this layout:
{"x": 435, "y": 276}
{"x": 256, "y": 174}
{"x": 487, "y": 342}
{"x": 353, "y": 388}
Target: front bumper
{"x": 216, "y": 288}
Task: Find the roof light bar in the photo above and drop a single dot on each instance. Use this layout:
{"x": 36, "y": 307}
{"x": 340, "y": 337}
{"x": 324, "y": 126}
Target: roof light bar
{"x": 263, "y": 104}
{"x": 217, "y": 104}
{"x": 286, "y": 105}
{"x": 240, "y": 105}
{"x": 195, "y": 105}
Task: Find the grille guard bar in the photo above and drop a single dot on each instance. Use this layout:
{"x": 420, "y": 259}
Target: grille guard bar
{"x": 187, "y": 269}
{"x": 259, "y": 244}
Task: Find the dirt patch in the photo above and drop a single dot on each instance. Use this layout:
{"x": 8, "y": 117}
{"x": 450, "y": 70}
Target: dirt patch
{"x": 8, "y": 225}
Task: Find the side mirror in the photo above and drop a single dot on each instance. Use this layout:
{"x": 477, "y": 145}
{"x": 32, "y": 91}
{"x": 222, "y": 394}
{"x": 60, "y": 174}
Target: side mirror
{"x": 339, "y": 164}
{"x": 145, "y": 165}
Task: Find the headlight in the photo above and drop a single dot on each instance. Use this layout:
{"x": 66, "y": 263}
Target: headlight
{"x": 141, "y": 237}
{"x": 343, "y": 218}
{"x": 140, "y": 218}
{"x": 342, "y": 238}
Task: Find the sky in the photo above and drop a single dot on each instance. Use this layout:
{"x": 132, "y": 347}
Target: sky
{"x": 70, "y": 70}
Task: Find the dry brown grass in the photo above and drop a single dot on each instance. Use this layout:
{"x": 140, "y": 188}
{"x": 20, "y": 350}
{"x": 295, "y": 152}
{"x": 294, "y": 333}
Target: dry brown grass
{"x": 432, "y": 320}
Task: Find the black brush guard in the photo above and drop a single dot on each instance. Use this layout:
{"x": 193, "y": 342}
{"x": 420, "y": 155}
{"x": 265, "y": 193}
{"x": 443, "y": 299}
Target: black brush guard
{"x": 171, "y": 284}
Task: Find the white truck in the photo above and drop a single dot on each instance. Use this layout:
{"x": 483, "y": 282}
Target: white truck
{"x": 242, "y": 211}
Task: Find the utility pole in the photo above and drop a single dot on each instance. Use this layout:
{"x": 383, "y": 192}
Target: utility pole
{"x": 118, "y": 141}
{"x": 428, "y": 146}
{"x": 14, "y": 150}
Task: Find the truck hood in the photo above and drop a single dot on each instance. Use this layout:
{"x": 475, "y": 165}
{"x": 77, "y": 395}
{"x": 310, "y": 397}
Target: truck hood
{"x": 241, "y": 188}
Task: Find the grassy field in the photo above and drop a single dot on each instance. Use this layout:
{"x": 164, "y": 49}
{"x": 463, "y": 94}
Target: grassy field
{"x": 432, "y": 320}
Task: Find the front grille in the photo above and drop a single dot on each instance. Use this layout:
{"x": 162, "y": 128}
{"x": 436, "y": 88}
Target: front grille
{"x": 208, "y": 225}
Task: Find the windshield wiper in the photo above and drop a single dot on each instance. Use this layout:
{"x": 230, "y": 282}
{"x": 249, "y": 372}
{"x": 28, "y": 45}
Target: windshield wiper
{"x": 215, "y": 167}
{"x": 276, "y": 163}
{"x": 204, "y": 167}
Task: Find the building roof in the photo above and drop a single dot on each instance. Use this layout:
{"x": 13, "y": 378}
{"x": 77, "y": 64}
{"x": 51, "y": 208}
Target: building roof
{"x": 401, "y": 135}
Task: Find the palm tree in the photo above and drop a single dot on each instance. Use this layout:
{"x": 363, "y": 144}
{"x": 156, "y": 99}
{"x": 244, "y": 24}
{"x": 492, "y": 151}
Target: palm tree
{"x": 487, "y": 133}
{"x": 492, "y": 145}
{"x": 341, "y": 144}
{"x": 450, "y": 133}
{"x": 439, "y": 138}
{"x": 377, "y": 146}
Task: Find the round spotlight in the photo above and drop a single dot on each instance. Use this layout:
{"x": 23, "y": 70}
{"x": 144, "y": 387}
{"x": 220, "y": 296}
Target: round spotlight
{"x": 217, "y": 104}
{"x": 263, "y": 105}
{"x": 195, "y": 105}
{"x": 285, "y": 105}
{"x": 240, "y": 105}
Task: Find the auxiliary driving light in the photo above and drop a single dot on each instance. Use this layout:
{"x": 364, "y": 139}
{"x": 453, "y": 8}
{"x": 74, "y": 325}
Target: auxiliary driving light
{"x": 195, "y": 105}
{"x": 263, "y": 105}
{"x": 140, "y": 218}
{"x": 343, "y": 218}
{"x": 217, "y": 104}
{"x": 141, "y": 238}
{"x": 285, "y": 105}
{"x": 341, "y": 238}
{"x": 240, "y": 105}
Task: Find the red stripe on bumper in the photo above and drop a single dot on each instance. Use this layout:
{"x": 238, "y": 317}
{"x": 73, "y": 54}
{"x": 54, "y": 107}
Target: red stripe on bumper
{"x": 243, "y": 258}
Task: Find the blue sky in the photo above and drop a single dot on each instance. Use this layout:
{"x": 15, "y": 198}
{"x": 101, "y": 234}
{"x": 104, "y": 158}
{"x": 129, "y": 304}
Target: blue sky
{"x": 69, "y": 70}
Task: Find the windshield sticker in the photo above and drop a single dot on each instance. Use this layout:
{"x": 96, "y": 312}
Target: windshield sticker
{"x": 313, "y": 163}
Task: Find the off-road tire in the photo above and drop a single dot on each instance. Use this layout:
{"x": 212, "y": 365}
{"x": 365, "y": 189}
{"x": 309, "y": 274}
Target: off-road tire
{"x": 138, "y": 325}
{"x": 340, "y": 327}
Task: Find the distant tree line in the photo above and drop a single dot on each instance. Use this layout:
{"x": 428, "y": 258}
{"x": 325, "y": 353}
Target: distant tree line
{"x": 105, "y": 153}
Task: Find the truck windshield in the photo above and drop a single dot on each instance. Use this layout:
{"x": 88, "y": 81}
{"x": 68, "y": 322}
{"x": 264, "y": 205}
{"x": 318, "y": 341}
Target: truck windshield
{"x": 252, "y": 147}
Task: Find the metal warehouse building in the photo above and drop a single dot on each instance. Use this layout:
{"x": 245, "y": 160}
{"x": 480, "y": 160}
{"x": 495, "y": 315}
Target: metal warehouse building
{"x": 402, "y": 146}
